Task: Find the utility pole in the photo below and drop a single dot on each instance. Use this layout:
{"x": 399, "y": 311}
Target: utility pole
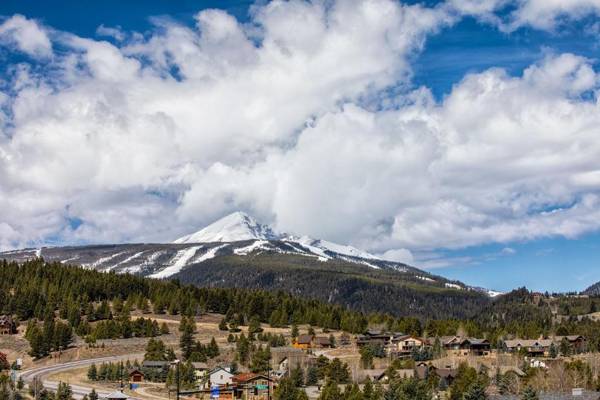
{"x": 121, "y": 374}
{"x": 177, "y": 376}
{"x": 269, "y": 381}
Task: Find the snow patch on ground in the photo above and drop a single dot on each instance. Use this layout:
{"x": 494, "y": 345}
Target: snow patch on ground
{"x": 178, "y": 262}
{"x": 425, "y": 278}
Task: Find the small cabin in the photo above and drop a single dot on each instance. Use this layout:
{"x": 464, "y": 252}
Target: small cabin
{"x": 135, "y": 375}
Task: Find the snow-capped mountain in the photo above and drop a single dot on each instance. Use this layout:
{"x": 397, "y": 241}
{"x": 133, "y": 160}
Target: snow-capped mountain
{"x": 234, "y": 227}
{"x": 240, "y": 226}
{"x": 237, "y": 234}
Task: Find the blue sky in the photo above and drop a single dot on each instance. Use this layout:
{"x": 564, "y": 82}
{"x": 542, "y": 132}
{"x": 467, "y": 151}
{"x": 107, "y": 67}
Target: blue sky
{"x": 536, "y": 220}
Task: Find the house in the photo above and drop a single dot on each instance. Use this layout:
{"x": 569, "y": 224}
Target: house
{"x": 305, "y": 342}
{"x": 477, "y": 347}
{"x": 218, "y": 376}
{"x": 531, "y": 347}
{"x": 252, "y": 386}
{"x": 200, "y": 369}
{"x": 7, "y": 325}
{"x": 385, "y": 340}
{"x": 577, "y": 343}
{"x": 321, "y": 342}
{"x": 200, "y": 366}
{"x": 405, "y": 345}
{"x": 463, "y": 346}
{"x": 424, "y": 370}
{"x": 284, "y": 359}
{"x": 135, "y": 375}
{"x": 541, "y": 347}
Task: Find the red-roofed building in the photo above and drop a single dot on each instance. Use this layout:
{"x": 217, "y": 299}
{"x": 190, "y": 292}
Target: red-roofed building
{"x": 253, "y": 386}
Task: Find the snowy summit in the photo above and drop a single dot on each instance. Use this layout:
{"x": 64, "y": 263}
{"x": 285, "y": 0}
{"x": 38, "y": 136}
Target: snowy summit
{"x": 234, "y": 227}
{"x": 240, "y": 226}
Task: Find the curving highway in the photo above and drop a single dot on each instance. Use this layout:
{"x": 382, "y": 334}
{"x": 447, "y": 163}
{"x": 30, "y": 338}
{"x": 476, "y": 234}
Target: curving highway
{"x": 78, "y": 390}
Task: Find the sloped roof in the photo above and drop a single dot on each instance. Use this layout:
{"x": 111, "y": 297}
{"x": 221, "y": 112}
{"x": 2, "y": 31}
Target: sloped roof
{"x": 304, "y": 339}
{"x": 117, "y": 395}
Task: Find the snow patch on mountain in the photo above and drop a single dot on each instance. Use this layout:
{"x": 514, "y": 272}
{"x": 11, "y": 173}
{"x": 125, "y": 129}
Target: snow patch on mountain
{"x": 258, "y": 244}
{"x": 103, "y": 260}
{"x": 125, "y": 261}
{"x": 178, "y": 262}
{"x": 240, "y": 226}
{"x": 209, "y": 254}
{"x": 232, "y": 228}
{"x": 453, "y": 286}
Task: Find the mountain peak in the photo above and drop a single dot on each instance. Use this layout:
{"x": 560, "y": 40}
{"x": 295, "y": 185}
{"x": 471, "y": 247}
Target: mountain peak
{"x": 234, "y": 227}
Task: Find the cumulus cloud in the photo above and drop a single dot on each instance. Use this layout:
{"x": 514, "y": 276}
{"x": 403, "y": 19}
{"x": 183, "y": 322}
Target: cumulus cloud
{"x": 283, "y": 117}
{"x": 26, "y": 35}
{"x": 510, "y": 15}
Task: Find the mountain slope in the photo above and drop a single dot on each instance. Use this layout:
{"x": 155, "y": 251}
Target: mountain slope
{"x": 593, "y": 290}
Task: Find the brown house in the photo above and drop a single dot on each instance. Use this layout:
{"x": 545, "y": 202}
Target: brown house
{"x": 462, "y": 346}
{"x": 251, "y": 386}
{"x": 306, "y": 342}
{"x": 7, "y": 325}
{"x": 135, "y": 375}
{"x": 423, "y": 371}
{"x": 577, "y": 343}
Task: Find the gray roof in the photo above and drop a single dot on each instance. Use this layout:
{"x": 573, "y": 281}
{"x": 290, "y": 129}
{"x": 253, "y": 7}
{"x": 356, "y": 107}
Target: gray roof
{"x": 154, "y": 364}
{"x": 117, "y": 395}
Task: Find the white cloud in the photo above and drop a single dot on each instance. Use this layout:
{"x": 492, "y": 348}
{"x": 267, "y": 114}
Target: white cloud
{"x": 399, "y": 255}
{"x": 149, "y": 139}
{"x": 510, "y": 15}
{"x": 27, "y": 35}
{"x": 115, "y": 33}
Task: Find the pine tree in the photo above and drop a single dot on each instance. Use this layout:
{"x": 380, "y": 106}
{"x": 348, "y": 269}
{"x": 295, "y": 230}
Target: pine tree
{"x": 164, "y": 329}
{"x": 93, "y": 395}
{"x": 212, "y": 350}
{"x": 186, "y": 341}
{"x": 64, "y": 392}
{"x": 297, "y": 376}
{"x": 223, "y": 325}
{"x": 286, "y": 390}
{"x": 92, "y": 373}
{"x": 312, "y": 376}
{"x": 330, "y": 391}
{"x": 475, "y": 392}
{"x": 529, "y": 393}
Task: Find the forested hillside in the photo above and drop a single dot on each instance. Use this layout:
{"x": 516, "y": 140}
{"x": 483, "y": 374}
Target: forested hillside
{"x": 357, "y": 287}
{"x": 74, "y": 296}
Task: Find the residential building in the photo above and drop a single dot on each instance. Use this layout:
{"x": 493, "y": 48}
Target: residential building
{"x": 7, "y": 325}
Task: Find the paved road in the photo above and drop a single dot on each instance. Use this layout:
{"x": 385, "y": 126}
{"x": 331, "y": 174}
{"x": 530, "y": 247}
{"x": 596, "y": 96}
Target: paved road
{"x": 78, "y": 390}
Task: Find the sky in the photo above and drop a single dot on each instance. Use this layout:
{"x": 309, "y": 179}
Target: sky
{"x": 459, "y": 136}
